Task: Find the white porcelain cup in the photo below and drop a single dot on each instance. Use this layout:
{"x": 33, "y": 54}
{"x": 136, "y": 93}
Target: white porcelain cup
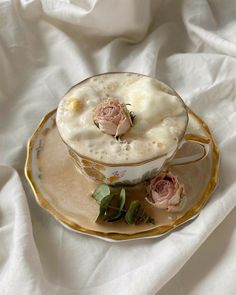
{"x": 133, "y": 173}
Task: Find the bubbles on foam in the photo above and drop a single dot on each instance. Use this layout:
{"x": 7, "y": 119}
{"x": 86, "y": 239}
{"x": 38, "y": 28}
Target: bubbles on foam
{"x": 111, "y": 86}
{"x": 168, "y": 122}
{"x": 147, "y": 131}
{"x": 118, "y": 149}
{"x": 175, "y": 130}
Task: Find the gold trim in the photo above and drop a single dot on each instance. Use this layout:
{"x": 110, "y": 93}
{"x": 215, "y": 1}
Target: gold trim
{"x": 196, "y": 138}
{"x": 157, "y": 231}
{"x": 201, "y": 140}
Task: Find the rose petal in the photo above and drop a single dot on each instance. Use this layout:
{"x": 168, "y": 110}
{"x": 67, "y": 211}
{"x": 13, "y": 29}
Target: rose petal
{"x": 162, "y": 204}
{"x": 156, "y": 204}
{"x": 155, "y": 196}
{"x": 116, "y": 119}
{"x": 165, "y": 192}
{"x": 178, "y": 207}
{"x": 110, "y": 115}
{"x": 107, "y": 127}
{"x": 164, "y": 188}
{"x": 123, "y": 127}
{"x": 175, "y": 198}
{"x": 158, "y": 201}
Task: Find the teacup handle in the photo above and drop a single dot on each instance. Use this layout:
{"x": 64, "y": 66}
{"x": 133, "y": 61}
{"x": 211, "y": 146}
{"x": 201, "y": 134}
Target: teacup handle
{"x": 203, "y": 141}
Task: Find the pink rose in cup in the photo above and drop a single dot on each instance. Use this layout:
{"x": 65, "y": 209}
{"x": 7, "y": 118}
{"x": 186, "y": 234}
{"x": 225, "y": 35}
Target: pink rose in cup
{"x": 112, "y": 118}
{"x": 165, "y": 192}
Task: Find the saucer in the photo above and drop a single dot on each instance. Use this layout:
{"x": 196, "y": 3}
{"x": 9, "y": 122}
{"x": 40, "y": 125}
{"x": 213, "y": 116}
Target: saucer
{"x": 66, "y": 194}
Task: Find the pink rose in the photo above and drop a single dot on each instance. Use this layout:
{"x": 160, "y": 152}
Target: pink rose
{"x": 165, "y": 192}
{"x": 112, "y": 117}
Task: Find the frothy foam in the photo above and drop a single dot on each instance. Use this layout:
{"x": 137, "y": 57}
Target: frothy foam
{"x": 160, "y": 118}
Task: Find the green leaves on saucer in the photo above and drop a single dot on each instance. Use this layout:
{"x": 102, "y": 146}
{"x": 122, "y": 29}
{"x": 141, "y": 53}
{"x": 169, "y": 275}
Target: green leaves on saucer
{"x": 112, "y": 207}
{"x": 101, "y": 192}
{"x": 135, "y": 214}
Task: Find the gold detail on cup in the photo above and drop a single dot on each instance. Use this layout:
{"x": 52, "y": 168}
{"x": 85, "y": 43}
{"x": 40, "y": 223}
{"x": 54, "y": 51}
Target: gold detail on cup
{"x": 86, "y": 163}
{"x": 97, "y": 166}
{"x": 196, "y": 138}
{"x": 94, "y": 173}
{"x": 112, "y": 179}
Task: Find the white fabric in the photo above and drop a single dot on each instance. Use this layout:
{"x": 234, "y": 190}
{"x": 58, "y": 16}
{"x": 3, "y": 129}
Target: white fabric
{"x": 45, "y": 48}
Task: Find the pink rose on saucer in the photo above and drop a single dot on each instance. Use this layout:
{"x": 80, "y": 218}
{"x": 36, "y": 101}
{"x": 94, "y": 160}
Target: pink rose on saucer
{"x": 165, "y": 192}
{"x": 112, "y": 117}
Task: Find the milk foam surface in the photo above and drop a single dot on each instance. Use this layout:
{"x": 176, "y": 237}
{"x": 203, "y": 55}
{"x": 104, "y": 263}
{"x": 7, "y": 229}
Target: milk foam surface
{"x": 159, "y": 123}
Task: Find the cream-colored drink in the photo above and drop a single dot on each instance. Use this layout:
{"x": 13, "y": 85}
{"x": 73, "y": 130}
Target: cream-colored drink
{"x": 159, "y": 118}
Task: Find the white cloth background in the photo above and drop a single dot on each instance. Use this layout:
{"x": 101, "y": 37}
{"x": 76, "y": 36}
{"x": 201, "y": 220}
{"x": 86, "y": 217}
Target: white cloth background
{"x": 47, "y": 46}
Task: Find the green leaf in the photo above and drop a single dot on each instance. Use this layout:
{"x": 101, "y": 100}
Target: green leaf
{"x": 119, "y": 213}
{"x": 136, "y": 214}
{"x": 131, "y": 214}
{"x": 112, "y": 207}
{"x": 101, "y": 191}
{"x": 122, "y": 198}
{"x": 104, "y": 206}
{"x": 142, "y": 217}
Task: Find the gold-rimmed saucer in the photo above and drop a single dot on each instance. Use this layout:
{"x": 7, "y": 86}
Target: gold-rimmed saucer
{"x": 66, "y": 194}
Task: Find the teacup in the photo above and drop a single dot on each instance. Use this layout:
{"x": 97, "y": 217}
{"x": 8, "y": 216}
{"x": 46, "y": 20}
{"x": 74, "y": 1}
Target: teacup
{"x": 80, "y": 100}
